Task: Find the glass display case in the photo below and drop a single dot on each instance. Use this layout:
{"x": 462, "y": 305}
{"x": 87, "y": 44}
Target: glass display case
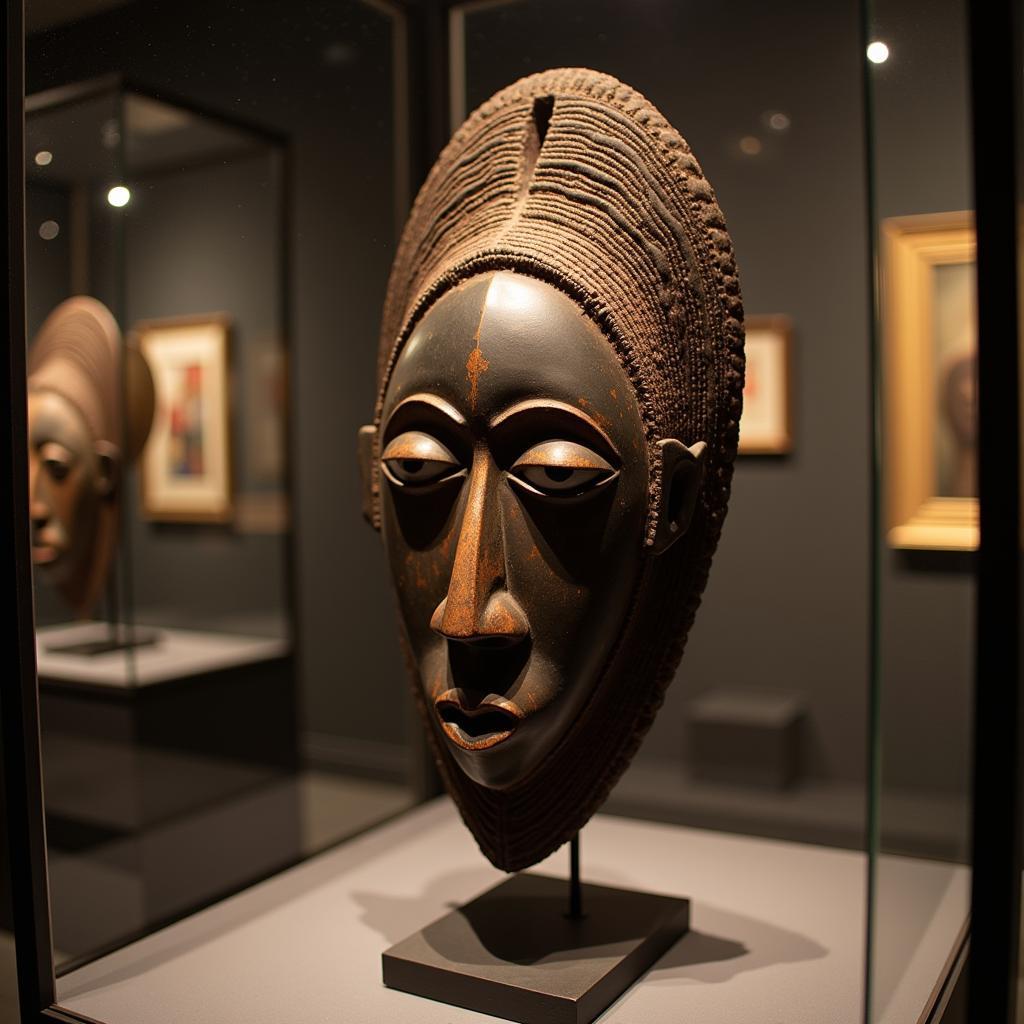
{"x": 236, "y": 791}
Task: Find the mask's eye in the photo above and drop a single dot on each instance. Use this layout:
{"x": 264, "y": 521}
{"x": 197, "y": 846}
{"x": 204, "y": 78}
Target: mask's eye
{"x": 561, "y": 469}
{"x": 415, "y": 460}
{"x": 57, "y": 460}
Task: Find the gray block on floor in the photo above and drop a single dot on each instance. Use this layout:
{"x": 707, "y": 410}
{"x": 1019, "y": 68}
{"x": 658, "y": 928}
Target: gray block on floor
{"x": 746, "y": 738}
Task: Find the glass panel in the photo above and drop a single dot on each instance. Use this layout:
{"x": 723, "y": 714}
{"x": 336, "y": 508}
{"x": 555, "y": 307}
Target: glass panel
{"x": 919, "y": 137}
{"x": 203, "y": 709}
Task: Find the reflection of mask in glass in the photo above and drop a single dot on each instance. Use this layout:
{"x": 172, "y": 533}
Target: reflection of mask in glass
{"x": 959, "y": 396}
{"x": 560, "y": 384}
{"x": 75, "y": 442}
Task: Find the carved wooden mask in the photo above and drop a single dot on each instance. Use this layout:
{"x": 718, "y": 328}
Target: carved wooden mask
{"x": 560, "y": 384}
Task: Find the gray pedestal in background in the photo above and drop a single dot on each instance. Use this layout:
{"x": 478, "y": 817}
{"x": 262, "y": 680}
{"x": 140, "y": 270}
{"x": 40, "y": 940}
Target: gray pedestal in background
{"x": 166, "y": 775}
{"x": 746, "y": 738}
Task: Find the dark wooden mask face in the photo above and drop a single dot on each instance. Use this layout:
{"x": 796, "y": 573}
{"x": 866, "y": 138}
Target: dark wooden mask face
{"x": 513, "y": 497}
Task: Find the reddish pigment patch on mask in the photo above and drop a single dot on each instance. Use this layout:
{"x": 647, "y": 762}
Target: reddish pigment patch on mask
{"x": 476, "y": 365}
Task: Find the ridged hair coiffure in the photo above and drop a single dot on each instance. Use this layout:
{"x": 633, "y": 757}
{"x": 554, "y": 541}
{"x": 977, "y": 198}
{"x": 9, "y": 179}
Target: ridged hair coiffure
{"x": 573, "y": 178}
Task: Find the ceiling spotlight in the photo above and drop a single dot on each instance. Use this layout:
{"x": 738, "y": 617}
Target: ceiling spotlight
{"x": 750, "y": 145}
{"x": 49, "y": 230}
{"x": 43, "y": 158}
{"x": 878, "y": 52}
{"x": 119, "y": 196}
{"x": 778, "y": 121}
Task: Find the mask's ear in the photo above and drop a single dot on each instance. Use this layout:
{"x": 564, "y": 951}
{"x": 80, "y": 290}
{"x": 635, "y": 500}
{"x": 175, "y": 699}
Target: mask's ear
{"x": 682, "y": 470}
{"x": 108, "y": 459}
{"x": 366, "y": 452}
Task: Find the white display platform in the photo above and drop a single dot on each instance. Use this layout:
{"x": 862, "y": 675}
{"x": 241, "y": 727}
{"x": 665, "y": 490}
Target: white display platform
{"x": 178, "y": 653}
{"x": 778, "y": 932}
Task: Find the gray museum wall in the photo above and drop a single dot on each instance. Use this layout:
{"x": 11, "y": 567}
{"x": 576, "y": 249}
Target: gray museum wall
{"x": 788, "y": 605}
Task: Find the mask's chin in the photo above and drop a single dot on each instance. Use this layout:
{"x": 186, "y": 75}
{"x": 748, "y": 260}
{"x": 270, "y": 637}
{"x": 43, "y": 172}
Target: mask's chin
{"x": 57, "y": 560}
{"x": 495, "y": 760}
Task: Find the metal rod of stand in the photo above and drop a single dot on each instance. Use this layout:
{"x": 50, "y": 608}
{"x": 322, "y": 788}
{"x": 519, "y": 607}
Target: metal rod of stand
{"x": 575, "y": 889}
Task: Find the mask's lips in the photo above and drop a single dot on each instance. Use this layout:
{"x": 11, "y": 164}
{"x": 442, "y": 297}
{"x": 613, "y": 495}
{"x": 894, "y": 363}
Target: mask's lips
{"x": 44, "y": 554}
{"x": 480, "y": 726}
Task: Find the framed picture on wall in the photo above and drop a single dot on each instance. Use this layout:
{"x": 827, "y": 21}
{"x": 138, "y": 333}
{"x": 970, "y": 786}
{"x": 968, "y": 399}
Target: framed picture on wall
{"x": 929, "y": 338}
{"x": 186, "y": 464}
{"x": 766, "y": 427}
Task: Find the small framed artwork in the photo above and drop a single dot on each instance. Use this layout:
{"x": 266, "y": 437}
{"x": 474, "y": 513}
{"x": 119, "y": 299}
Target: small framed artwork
{"x": 929, "y": 337}
{"x": 186, "y": 464}
{"x": 766, "y": 426}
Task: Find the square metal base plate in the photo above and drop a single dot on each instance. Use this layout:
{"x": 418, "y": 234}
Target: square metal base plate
{"x": 514, "y": 953}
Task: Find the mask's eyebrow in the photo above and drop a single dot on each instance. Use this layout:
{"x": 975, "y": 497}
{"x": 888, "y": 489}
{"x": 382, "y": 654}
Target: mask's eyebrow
{"x": 552, "y": 411}
{"x": 423, "y": 404}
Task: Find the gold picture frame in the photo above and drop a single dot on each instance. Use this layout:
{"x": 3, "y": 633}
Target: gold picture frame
{"x": 185, "y": 469}
{"x": 929, "y": 341}
{"x": 766, "y": 426}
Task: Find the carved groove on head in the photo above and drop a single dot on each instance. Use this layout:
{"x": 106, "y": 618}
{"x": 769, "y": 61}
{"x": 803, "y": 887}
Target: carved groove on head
{"x": 533, "y": 141}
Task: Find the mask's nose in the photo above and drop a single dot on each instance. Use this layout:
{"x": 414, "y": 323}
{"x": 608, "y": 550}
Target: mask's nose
{"x": 38, "y": 508}
{"x": 478, "y": 608}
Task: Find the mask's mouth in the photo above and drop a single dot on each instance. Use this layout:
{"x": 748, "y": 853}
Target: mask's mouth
{"x": 48, "y": 543}
{"x": 480, "y": 727}
{"x": 44, "y": 554}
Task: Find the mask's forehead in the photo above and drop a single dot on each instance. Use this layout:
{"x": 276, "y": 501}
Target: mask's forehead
{"x": 505, "y": 338}
{"x": 51, "y": 417}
